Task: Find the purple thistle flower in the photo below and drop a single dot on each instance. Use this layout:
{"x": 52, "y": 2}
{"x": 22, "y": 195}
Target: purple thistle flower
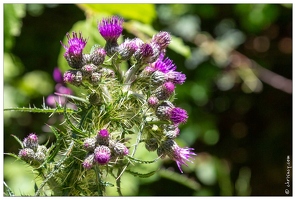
{"x": 167, "y": 111}
{"x": 74, "y": 49}
{"x": 103, "y": 137}
{"x": 102, "y": 154}
{"x": 176, "y": 153}
{"x": 176, "y": 77}
{"x": 57, "y": 75}
{"x": 165, "y": 65}
{"x": 178, "y": 115}
{"x": 111, "y": 28}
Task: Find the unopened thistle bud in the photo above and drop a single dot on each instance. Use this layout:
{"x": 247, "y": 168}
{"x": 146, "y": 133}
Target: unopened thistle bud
{"x": 73, "y": 77}
{"x": 120, "y": 149}
{"x": 102, "y": 154}
{"x": 158, "y": 78}
{"x": 151, "y": 144}
{"x": 153, "y": 101}
{"x": 162, "y": 38}
{"x": 31, "y": 141}
{"x": 103, "y": 137}
{"x": 171, "y": 131}
{"x": 95, "y": 78}
{"x": 163, "y": 111}
{"x": 27, "y": 154}
{"x": 74, "y": 50}
{"x": 39, "y": 156}
{"x": 88, "y": 161}
{"x": 127, "y": 49}
{"x": 94, "y": 98}
{"x": 87, "y": 70}
{"x": 97, "y": 57}
{"x": 42, "y": 149}
{"x": 89, "y": 144}
{"x": 164, "y": 91}
{"x": 147, "y": 53}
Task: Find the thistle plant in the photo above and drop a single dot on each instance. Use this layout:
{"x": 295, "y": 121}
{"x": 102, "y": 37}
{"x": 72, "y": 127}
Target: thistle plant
{"x": 116, "y": 111}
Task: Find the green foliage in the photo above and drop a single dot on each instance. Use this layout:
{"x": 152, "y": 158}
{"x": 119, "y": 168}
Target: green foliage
{"x": 140, "y": 12}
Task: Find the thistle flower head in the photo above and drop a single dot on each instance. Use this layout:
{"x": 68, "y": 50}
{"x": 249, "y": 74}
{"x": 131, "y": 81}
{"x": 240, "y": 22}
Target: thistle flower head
{"x": 111, "y": 28}
{"x": 165, "y": 65}
{"x": 162, "y": 38}
{"x": 75, "y": 41}
{"x": 147, "y": 53}
{"x": 39, "y": 156}
{"x": 127, "y": 49}
{"x": 74, "y": 49}
{"x": 176, "y": 153}
{"x": 73, "y": 77}
{"x": 89, "y": 144}
{"x": 151, "y": 144}
{"x": 102, "y": 154}
{"x": 88, "y": 161}
{"x": 153, "y": 101}
{"x": 31, "y": 141}
{"x": 176, "y": 77}
{"x": 97, "y": 57}
{"x": 27, "y": 154}
{"x": 171, "y": 131}
{"x": 120, "y": 149}
{"x": 164, "y": 91}
{"x": 57, "y": 75}
{"x": 103, "y": 137}
{"x": 178, "y": 115}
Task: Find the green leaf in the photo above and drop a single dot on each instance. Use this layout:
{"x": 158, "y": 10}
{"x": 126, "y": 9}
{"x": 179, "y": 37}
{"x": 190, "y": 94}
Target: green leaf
{"x": 18, "y": 140}
{"x": 145, "y": 13}
{"x": 13, "y": 14}
{"x": 140, "y": 174}
{"x": 142, "y": 161}
{"x": 8, "y": 190}
{"x": 179, "y": 178}
{"x": 40, "y": 110}
{"x": 12, "y": 155}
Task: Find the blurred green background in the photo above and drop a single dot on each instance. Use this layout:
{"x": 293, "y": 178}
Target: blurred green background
{"x": 238, "y": 92}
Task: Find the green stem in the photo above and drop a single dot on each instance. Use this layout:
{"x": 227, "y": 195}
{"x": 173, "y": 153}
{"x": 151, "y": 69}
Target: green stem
{"x": 98, "y": 177}
{"x": 118, "y": 181}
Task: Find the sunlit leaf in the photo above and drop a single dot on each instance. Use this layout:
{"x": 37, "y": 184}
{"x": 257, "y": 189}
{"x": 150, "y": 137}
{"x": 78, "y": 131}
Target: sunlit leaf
{"x": 142, "y": 12}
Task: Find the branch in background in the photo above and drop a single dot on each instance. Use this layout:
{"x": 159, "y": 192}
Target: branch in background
{"x": 277, "y": 81}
